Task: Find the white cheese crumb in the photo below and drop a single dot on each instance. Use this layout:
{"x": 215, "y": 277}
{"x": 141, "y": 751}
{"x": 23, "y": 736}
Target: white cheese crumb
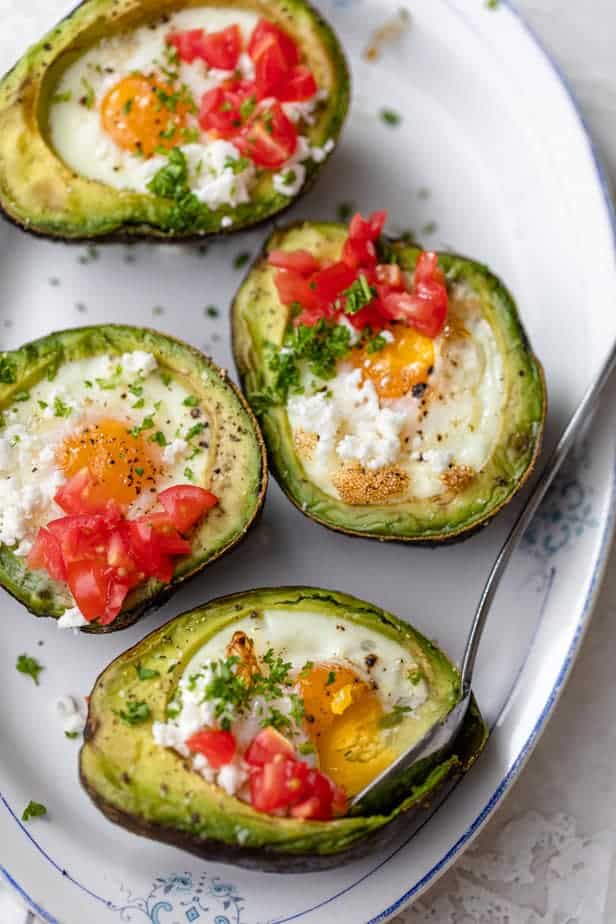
{"x": 71, "y": 618}
{"x": 232, "y": 777}
{"x": 71, "y": 714}
{"x": 138, "y": 363}
{"x": 226, "y": 221}
{"x": 290, "y": 180}
{"x": 173, "y": 451}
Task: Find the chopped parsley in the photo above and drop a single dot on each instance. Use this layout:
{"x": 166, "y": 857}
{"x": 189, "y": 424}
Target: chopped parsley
{"x": 195, "y": 430}
{"x": 390, "y": 116}
{"x": 376, "y": 343}
{"x": 171, "y": 182}
{"x": 344, "y": 211}
{"x": 135, "y": 713}
{"x": 146, "y": 673}
{"x": 306, "y": 748}
{"x": 146, "y": 424}
{"x": 29, "y": 666}
{"x": 33, "y": 810}
{"x": 241, "y": 260}
{"x": 429, "y": 228}
{"x": 88, "y": 98}
{"x": 320, "y": 346}
{"x": 212, "y": 311}
{"x": 62, "y": 97}
{"x": 188, "y": 473}
{"x": 136, "y": 390}
{"x": 306, "y": 668}
{"x": 138, "y": 470}
{"x": 128, "y": 105}
{"x": 138, "y": 404}
{"x": 42, "y": 405}
{"x": 22, "y": 396}
{"x": 71, "y": 735}
{"x": 395, "y": 717}
{"x": 331, "y": 678}
{"x": 492, "y": 4}
{"x": 248, "y": 106}
{"x": 165, "y": 378}
{"x": 358, "y": 295}
{"x": 158, "y": 437}
{"x": 60, "y": 409}
{"x": 190, "y": 401}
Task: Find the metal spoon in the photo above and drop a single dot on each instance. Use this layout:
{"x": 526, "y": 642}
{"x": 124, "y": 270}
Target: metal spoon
{"x": 438, "y": 740}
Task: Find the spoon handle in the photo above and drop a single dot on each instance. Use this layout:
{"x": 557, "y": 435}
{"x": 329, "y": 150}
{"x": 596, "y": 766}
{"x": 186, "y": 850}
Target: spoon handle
{"x": 542, "y": 484}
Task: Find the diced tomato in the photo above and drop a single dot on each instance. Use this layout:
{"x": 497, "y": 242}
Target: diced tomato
{"x": 218, "y": 747}
{"x": 299, "y": 260}
{"x": 185, "y": 504}
{"x": 294, "y": 288}
{"x": 78, "y": 494}
{"x": 313, "y": 809}
{"x": 90, "y": 582}
{"x": 188, "y": 44}
{"x": 222, "y": 49}
{"x": 278, "y": 784}
{"x": 47, "y": 554}
{"x": 220, "y": 112}
{"x": 261, "y": 37}
{"x": 370, "y": 316}
{"x": 390, "y": 275}
{"x": 266, "y": 745}
{"x": 330, "y": 282}
{"x": 297, "y": 85}
{"x": 269, "y": 138}
{"x": 359, "y": 249}
{"x": 82, "y": 537}
{"x": 119, "y": 551}
{"x": 271, "y": 68}
{"x": 118, "y": 589}
{"x": 426, "y": 307}
{"x": 145, "y": 549}
{"x": 427, "y": 312}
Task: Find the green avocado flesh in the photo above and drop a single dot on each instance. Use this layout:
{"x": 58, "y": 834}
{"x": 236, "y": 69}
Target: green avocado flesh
{"x": 154, "y": 791}
{"x": 464, "y": 498}
{"x": 44, "y": 195}
{"x": 235, "y": 465}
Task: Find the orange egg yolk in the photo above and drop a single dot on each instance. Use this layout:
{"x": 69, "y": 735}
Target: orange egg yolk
{"x": 134, "y": 114}
{"x": 342, "y": 715}
{"x": 124, "y": 466}
{"x": 404, "y": 362}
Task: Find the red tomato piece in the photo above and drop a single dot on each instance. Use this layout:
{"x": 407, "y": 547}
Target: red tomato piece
{"x": 76, "y": 494}
{"x": 297, "y": 85}
{"x": 260, "y": 39}
{"x": 271, "y": 68}
{"x": 218, "y": 747}
{"x": 90, "y": 582}
{"x": 116, "y": 594}
{"x": 278, "y": 784}
{"x": 389, "y": 275}
{"x": 299, "y": 260}
{"x": 222, "y": 49}
{"x": 82, "y": 537}
{"x": 294, "y": 288}
{"x": 427, "y": 270}
{"x": 330, "y": 282}
{"x": 269, "y": 138}
{"x": 47, "y": 554}
{"x": 220, "y": 112}
{"x": 146, "y": 550}
{"x": 188, "y": 44}
{"x": 312, "y": 808}
{"x": 266, "y": 745}
{"x": 185, "y": 504}
{"x": 359, "y": 249}
{"x": 425, "y": 311}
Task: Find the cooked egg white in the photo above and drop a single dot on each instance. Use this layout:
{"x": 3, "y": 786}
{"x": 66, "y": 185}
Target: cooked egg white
{"x": 413, "y": 420}
{"x": 106, "y": 103}
{"x": 365, "y": 699}
{"x": 137, "y": 430}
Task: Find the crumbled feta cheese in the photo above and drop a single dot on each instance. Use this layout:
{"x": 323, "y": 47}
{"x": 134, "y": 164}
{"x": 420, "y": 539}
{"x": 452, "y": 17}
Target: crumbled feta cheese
{"x": 246, "y": 66}
{"x": 71, "y": 714}
{"x": 226, "y": 221}
{"x": 232, "y": 777}
{"x": 319, "y": 154}
{"x": 290, "y": 180}
{"x": 71, "y": 618}
{"x": 138, "y": 363}
{"x": 24, "y": 548}
{"x": 387, "y": 335}
{"x": 212, "y": 176}
{"x": 173, "y": 451}
{"x": 438, "y": 459}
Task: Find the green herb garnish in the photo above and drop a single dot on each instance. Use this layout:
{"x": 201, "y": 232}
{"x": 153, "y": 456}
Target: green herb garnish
{"x": 88, "y": 98}
{"x": 30, "y": 666}
{"x": 241, "y": 260}
{"x": 331, "y": 678}
{"x": 72, "y": 735}
{"x": 33, "y": 810}
{"x": 135, "y": 713}
{"x": 146, "y": 673}
{"x": 190, "y": 401}
{"x": 62, "y": 97}
{"x": 358, "y": 295}
{"x": 390, "y": 116}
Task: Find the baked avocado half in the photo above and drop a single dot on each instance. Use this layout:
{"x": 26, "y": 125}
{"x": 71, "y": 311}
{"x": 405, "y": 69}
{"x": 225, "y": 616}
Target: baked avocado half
{"x": 380, "y": 430}
{"x": 105, "y": 431}
{"x": 169, "y": 118}
{"x": 358, "y": 683}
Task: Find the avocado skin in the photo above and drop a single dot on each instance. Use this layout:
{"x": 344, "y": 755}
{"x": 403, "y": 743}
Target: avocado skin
{"x": 250, "y": 328}
{"x": 41, "y": 358}
{"x": 114, "y": 215}
{"x": 333, "y": 843}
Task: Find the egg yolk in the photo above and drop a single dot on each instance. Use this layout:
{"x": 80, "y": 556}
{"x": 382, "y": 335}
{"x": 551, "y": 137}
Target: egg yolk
{"x": 134, "y": 114}
{"x": 342, "y": 715}
{"x": 404, "y": 362}
{"x": 123, "y": 465}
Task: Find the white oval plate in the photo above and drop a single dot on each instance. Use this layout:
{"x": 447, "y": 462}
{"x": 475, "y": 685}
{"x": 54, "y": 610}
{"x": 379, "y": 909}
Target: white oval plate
{"x": 491, "y": 149}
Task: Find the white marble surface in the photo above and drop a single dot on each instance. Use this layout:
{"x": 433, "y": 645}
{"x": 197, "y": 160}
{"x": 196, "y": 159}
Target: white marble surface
{"x": 547, "y": 857}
